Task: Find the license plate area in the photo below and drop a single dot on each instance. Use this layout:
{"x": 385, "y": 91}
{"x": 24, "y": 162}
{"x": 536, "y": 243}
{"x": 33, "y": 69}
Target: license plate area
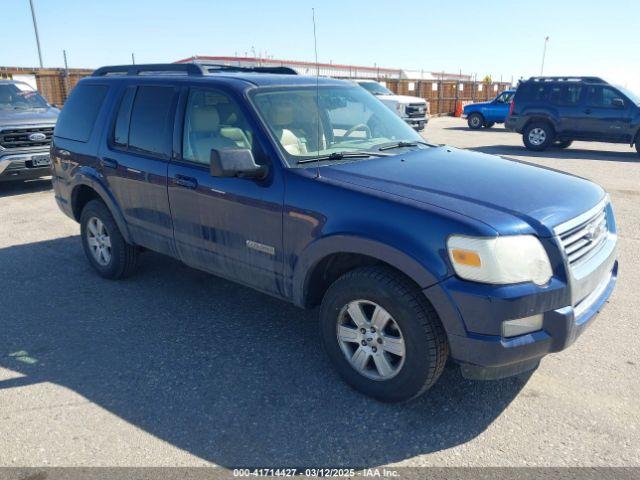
{"x": 39, "y": 161}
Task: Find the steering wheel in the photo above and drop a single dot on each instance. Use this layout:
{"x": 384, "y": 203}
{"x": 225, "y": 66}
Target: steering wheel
{"x": 360, "y": 126}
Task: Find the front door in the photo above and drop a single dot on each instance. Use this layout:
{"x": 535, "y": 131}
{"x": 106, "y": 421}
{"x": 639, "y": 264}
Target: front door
{"x": 231, "y": 227}
{"x": 607, "y": 115}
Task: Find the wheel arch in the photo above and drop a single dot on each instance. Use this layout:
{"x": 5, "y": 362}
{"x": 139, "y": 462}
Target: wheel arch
{"x": 88, "y": 188}
{"x": 329, "y": 258}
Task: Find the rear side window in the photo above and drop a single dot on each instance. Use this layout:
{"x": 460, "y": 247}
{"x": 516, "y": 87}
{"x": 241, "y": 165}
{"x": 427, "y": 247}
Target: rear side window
{"x": 151, "y": 124}
{"x": 563, "y": 94}
{"x": 80, "y": 111}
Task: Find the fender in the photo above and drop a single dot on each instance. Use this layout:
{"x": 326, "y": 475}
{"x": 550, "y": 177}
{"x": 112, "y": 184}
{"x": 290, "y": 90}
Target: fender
{"x": 326, "y": 246}
{"x": 89, "y": 177}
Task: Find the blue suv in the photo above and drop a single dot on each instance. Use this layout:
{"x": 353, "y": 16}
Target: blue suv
{"x": 487, "y": 114}
{"x": 311, "y": 190}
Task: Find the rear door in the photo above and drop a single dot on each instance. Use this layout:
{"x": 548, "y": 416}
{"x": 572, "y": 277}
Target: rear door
{"x": 135, "y": 159}
{"x": 604, "y": 117}
{"x": 566, "y": 98}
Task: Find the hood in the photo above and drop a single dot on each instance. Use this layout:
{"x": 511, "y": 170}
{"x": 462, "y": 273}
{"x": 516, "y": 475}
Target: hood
{"x": 476, "y": 105}
{"x": 46, "y": 116}
{"x": 510, "y": 196}
{"x": 402, "y": 98}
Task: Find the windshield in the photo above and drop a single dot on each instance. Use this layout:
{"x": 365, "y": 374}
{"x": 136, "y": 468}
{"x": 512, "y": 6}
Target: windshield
{"x": 20, "y": 96}
{"x": 345, "y": 120}
{"x": 375, "y": 88}
{"x": 630, "y": 95}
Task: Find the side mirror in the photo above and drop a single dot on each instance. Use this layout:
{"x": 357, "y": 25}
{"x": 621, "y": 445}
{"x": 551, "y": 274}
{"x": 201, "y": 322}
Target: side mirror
{"x": 617, "y": 102}
{"x": 235, "y": 162}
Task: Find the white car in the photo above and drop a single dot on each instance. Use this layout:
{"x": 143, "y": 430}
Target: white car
{"x": 413, "y": 110}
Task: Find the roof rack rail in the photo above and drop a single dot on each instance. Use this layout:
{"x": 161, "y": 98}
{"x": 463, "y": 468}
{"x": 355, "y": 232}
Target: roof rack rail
{"x": 152, "y": 68}
{"x": 567, "y": 79}
{"x": 213, "y": 67}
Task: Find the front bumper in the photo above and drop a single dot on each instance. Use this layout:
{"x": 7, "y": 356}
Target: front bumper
{"x": 20, "y": 166}
{"x": 491, "y": 357}
{"x": 473, "y": 313}
{"x": 416, "y": 122}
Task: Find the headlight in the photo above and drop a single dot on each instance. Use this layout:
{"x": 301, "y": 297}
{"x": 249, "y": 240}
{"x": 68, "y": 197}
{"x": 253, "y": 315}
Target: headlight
{"x": 501, "y": 260}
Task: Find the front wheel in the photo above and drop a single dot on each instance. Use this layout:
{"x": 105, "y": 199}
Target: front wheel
{"x": 538, "y": 136}
{"x": 475, "y": 121}
{"x": 382, "y": 335}
{"x": 105, "y": 247}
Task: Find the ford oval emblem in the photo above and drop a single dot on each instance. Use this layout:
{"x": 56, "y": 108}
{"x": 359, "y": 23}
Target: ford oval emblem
{"x": 37, "y": 137}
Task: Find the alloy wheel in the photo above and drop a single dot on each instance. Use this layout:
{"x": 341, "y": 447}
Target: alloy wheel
{"x": 99, "y": 241}
{"x": 370, "y": 340}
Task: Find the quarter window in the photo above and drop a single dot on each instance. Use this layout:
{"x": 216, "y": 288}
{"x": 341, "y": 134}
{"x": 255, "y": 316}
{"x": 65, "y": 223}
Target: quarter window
{"x": 213, "y": 120}
{"x": 150, "y": 129}
{"x": 80, "y": 112}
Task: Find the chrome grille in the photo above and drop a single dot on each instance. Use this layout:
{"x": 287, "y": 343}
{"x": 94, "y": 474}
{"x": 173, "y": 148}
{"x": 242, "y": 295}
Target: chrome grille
{"x": 583, "y": 241}
{"x": 11, "y": 138}
{"x": 417, "y": 110}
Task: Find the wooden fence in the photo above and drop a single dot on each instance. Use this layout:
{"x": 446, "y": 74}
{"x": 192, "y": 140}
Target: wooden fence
{"x": 55, "y": 84}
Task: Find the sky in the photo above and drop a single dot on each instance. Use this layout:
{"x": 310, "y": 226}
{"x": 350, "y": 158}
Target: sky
{"x": 503, "y": 39}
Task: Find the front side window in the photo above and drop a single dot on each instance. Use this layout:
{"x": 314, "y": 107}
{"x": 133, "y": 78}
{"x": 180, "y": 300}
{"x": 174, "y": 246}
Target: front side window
{"x": 332, "y": 120}
{"x": 505, "y": 97}
{"x": 20, "y": 96}
{"x": 213, "y": 120}
{"x": 150, "y": 129}
{"x": 601, "y": 96}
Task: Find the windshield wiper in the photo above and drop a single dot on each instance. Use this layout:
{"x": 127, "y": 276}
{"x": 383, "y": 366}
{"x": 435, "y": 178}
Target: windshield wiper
{"x": 342, "y": 155}
{"x": 403, "y": 144}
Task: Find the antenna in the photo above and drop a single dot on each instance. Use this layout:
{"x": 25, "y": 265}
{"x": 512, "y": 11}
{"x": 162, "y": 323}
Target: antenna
{"x": 315, "y": 48}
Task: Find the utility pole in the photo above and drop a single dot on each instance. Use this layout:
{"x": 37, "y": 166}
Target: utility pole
{"x": 35, "y": 28}
{"x": 133, "y": 58}
{"x": 67, "y": 83}
{"x": 544, "y": 54}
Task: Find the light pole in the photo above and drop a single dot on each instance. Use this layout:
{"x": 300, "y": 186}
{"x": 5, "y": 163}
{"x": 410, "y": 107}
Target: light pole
{"x": 35, "y": 28}
{"x": 544, "y": 54}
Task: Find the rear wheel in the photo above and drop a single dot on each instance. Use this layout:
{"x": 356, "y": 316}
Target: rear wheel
{"x": 382, "y": 335}
{"x": 538, "y": 136}
{"x": 475, "y": 121}
{"x": 638, "y": 146}
{"x": 105, "y": 247}
{"x": 563, "y": 143}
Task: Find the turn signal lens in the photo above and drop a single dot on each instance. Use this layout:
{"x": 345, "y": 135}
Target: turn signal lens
{"x": 466, "y": 257}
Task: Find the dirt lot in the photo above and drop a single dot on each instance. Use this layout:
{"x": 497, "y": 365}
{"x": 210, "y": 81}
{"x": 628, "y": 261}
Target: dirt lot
{"x": 176, "y": 367}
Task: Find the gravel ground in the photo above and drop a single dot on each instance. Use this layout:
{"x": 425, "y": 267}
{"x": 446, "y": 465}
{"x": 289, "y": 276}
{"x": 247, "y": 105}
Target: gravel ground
{"x": 176, "y": 367}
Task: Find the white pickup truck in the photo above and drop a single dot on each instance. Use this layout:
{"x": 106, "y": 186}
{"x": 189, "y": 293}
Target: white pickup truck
{"x": 413, "y": 110}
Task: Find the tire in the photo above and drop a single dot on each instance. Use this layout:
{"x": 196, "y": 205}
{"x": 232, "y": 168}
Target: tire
{"x": 489, "y": 124}
{"x": 638, "y": 146}
{"x": 475, "y": 121}
{"x": 119, "y": 259}
{"x": 538, "y": 136}
{"x": 412, "y": 323}
{"x": 563, "y": 143}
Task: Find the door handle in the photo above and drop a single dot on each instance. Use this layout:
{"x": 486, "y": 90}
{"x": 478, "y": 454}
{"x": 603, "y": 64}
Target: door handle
{"x": 109, "y": 163}
{"x": 186, "y": 182}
